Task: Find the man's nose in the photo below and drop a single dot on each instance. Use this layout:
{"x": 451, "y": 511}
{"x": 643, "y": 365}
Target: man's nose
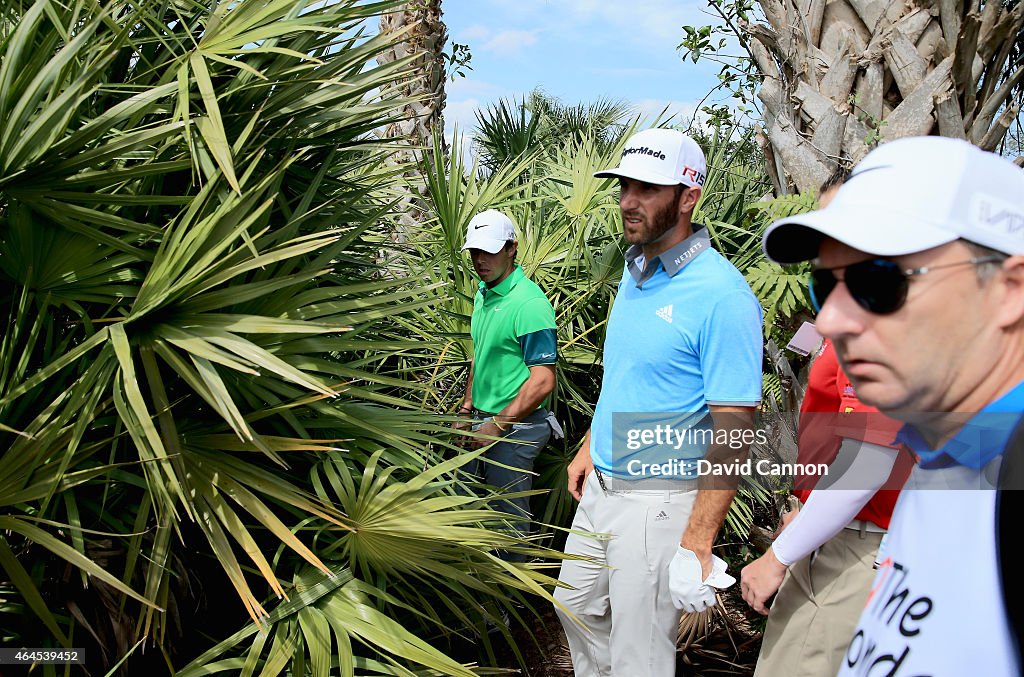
{"x": 840, "y": 316}
{"x": 627, "y": 199}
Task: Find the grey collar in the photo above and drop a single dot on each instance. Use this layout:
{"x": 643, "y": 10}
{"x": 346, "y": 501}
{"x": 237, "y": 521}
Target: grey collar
{"x": 674, "y": 259}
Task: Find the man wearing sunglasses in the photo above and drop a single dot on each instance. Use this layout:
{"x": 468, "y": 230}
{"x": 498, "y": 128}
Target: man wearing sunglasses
{"x": 919, "y": 282}
{"x": 822, "y": 562}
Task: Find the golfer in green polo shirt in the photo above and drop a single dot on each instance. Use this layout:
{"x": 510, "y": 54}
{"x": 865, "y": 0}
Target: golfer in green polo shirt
{"x": 513, "y": 368}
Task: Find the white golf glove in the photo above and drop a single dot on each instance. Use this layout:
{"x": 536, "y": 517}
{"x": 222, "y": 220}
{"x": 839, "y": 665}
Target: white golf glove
{"x": 688, "y": 592}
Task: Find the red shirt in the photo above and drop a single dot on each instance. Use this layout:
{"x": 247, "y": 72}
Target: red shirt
{"x": 831, "y": 412}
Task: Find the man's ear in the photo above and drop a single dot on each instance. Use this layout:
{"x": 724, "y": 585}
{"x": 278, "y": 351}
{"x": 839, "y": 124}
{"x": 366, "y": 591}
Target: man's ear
{"x": 1011, "y": 281}
{"x": 689, "y": 199}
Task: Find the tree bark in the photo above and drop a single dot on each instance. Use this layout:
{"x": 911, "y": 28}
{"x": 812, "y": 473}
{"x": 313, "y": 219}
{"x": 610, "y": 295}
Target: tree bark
{"x": 420, "y": 33}
{"x": 843, "y": 75}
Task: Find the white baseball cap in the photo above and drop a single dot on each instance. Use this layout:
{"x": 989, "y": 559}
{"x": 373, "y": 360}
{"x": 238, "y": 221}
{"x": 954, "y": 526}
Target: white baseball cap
{"x": 489, "y": 230}
{"x": 910, "y": 195}
{"x": 664, "y": 157}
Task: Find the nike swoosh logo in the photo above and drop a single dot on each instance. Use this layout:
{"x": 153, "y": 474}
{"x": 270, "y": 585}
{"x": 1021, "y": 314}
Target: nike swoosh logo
{"x": 480, "y": 226}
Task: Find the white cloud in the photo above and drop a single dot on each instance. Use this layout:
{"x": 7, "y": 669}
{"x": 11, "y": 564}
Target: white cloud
{"x": 462, "y": 88}
{"x": 464, "y": 97}
{"x": 460, "y": 114}
{"x": 679, "y": 113}
{"x": 474, "y": 32}
{"x": 511, "y": 42}
{"x": 659, "y": 21}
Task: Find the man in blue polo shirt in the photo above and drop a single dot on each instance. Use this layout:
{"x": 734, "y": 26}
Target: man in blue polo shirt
{"x": 682, "y": 354}
{"x": 513, "y": 367}
{"x": 919, "y": 273}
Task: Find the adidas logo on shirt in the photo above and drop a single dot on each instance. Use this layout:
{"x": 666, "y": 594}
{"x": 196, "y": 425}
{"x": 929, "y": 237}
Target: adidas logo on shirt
{"x": 661, "y": 516}
{"x": 665, "y": 313}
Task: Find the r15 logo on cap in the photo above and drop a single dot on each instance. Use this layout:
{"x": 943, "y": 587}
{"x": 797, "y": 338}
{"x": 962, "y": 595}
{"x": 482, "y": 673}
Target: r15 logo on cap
{"x": 693, "y": 175}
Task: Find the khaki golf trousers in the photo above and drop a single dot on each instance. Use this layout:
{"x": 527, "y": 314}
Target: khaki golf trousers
{"x": 629, "y": 623}
{"x": 818, "y": 606}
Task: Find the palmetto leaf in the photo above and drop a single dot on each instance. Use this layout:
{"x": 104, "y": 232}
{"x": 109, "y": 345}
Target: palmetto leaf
{"x": 23, "y": 582}
{"x": 189, "y": 195}
{"x": 317, "y": 598}
{"x": 779, "y": 290}
{"x": 506, "y": 132}
{"x": 205, "y": 368}
{"x": 212, "y": 127}
{"x": 66, "y": 552}
{"x": 24, "y": 85}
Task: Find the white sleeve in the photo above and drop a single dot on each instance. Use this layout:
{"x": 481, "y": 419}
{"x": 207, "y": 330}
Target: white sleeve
{"x": 831, "y": 507}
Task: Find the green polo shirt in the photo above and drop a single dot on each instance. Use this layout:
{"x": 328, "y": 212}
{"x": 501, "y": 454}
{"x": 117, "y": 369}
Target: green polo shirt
{"x": 513, "y": 329}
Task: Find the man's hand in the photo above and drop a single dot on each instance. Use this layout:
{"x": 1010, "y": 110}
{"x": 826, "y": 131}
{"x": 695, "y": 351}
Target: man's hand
{"x": 465, "y": 422}
{"x": 462, "y": 424}
{"x": 580, "y": 468}
{"x": 761, "y": 579}
{"x": 491, "y": 429}
{"x": 784, "y": 521}
{"x": 690, "y": 591}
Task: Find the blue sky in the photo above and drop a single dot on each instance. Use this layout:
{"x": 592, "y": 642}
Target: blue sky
{"x": 576, "y": 50}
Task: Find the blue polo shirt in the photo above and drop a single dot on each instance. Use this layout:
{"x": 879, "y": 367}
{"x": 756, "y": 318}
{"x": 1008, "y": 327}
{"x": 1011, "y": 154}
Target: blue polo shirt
{"x": 982, "y": 438}
{"x": 684, "y": 333}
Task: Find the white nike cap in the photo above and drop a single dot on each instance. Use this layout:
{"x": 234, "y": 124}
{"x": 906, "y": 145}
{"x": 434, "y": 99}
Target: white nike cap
{"x": 489, "y": 231}
{"x": 910, "y": 195}
{"x": 664, "y": 157}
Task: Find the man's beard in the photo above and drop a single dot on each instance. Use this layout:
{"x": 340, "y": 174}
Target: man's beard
{"x": 660, "y": 223}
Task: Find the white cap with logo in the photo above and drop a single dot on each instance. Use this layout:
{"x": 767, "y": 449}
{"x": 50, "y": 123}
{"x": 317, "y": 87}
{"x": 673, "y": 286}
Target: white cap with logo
{"x": 664, "y": 157}
{"x": 910, "y": 195}
{"x": 489, "y": 231}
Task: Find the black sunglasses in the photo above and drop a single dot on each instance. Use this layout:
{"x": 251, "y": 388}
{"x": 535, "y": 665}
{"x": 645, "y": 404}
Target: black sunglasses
{"x": 878, "y": 286}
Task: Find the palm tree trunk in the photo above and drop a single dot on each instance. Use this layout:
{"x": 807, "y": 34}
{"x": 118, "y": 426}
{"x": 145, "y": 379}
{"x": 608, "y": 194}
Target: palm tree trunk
{"x": 421, "y": 34}
{"x": 844, "y": 75}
